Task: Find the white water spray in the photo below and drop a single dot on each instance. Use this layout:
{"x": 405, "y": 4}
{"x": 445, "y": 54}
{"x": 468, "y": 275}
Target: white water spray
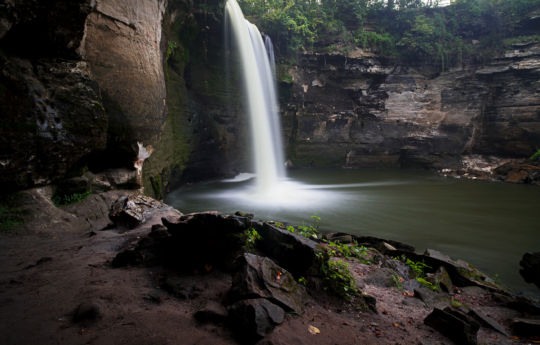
{"x": 259, "y": 86}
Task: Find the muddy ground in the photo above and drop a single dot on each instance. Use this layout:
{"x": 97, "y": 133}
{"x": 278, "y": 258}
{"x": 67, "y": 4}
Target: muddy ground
{"x": 58, "y": 265}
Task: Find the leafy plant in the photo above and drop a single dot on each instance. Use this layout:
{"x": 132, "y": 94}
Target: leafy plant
{"x": 416, "y": 266}
{"x": 171, "y": 47}
{"x": 348, "y": 250}
{"x": 427, "y": 284}
{"x": 67, "y": 199}
{"x": 308, "y": 231}
{"x": 455, "y": 303}
{"x": 535, "y": 156}
{"x": 302, "y": 281}
{"x": 252, "y": 236}
{"x": 338, "y": 279}
{"x": 397, "y": 281}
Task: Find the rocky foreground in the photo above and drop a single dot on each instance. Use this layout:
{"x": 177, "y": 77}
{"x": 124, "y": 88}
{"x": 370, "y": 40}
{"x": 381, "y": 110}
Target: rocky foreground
{"x": 121, "y": 268}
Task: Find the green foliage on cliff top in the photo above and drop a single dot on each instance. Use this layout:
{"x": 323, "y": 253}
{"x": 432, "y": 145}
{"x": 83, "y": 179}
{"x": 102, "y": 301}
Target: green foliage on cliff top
{"x": 410, "y": 30}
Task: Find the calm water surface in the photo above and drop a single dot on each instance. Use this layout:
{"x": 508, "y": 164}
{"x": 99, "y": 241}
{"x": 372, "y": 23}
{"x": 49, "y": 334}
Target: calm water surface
{"x": 487, "y": 224}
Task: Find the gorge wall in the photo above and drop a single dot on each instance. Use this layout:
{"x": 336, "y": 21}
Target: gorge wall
{"x": 357, "y": 110}
{"x": 82, "y": 82}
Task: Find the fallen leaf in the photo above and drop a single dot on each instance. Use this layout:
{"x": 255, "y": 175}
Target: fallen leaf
{"x": 396, "y": 324}
{"x": 207, "y": 267}
{"x": 313, "y": 330}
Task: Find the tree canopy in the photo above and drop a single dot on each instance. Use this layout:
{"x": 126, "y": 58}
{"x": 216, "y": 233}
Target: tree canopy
{"x": 414, "y": 30}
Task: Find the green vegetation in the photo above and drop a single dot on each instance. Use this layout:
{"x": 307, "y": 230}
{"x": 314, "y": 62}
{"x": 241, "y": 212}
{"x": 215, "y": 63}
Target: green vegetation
{"x": 251, "y": 236}
{"x": 410, "y": 30}
{"x": 67, "y": 199}
{"x": 337, "y": 278}
{"x": 170, "y": 50}
{"x": 397, "y": 281}
{"x": 11, "y": 215}
{"x": 535, "y": 156}
{"x": 348, "y": 251}
{"x": 418, "y": 268}
{"x": 455, "y": 303}
{"x": 308, "y": 231}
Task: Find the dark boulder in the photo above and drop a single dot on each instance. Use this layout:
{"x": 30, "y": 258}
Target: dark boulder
{"x": 295, "y": 253}
{"x": 400, "y": 268}
{"x": 133, "y": 210}
{"x": 530, "y": 268}
{"x": 456, "y": 325}
{"x": 526, "y": 327}
{"x": 487, "y": 321}
{"x": 382, "y": 244}
{"x": 260, "y": 277}
{"x": 149, "y": 250}
{"x": 460, "y": 272}
{"x": 253, "y": 319}
{"x": 207, "y": 238}
{"x": 52, "y": 121}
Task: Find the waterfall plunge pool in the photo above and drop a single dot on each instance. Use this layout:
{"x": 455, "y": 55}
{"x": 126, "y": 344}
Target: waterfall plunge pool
{"x": 488, "y": 224}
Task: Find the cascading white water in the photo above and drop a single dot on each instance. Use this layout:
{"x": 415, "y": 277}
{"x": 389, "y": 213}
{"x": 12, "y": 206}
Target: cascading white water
{"x": 259, "y": 87}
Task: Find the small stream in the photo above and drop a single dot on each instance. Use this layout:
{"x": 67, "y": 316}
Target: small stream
{"x": 488, "y": 224}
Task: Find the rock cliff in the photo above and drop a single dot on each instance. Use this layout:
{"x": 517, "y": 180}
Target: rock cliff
{"x": 358, "y": 110}
{"x": 83, "y": 82}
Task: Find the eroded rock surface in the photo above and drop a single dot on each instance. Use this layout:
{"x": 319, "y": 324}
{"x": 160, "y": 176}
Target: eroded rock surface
{"x": 359, "y": 111}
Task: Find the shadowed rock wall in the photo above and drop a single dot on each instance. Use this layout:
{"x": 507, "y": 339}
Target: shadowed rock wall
{"x": 358, "y": 111}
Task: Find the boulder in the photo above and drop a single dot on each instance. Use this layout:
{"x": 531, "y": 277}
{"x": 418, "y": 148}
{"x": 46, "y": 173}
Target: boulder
{"x": 75, "y": 185}
{"x": 207, "y": 238}
{"x": 133, "y": 210}
{"x": 295, "y": 253}
{"x": 260, "y": 277}
{"x": 397, "y": 266}
{"x": 486, "y": 321}
{"x": 122, "y": 178}
{"x": 442, "y": 279}
{"x": 340, "y": 237}
{"x": 253, "y": 319}
{"x": 456, "y": 325}
{"x": 525, "y": 327}
{"x": 380, "y": 277}
{"x": 460, "y": 272}
{"x": 530, "y": 268}
{"x": 520, "y": 303}
{"x": 384, "y": 246}
{"x": 431, "y": 298}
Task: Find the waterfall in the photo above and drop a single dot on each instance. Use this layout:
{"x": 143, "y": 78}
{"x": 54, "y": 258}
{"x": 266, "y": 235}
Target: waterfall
{"x": 270, "y": 51}
{"x": 260, "y": 93}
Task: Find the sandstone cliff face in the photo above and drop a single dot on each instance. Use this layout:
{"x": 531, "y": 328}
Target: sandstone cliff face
{"x": 122, "y": 46}
{"x": 357, "y": 111}
{"x": 82, "y": 82}
{"x": 160, "y": 67}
